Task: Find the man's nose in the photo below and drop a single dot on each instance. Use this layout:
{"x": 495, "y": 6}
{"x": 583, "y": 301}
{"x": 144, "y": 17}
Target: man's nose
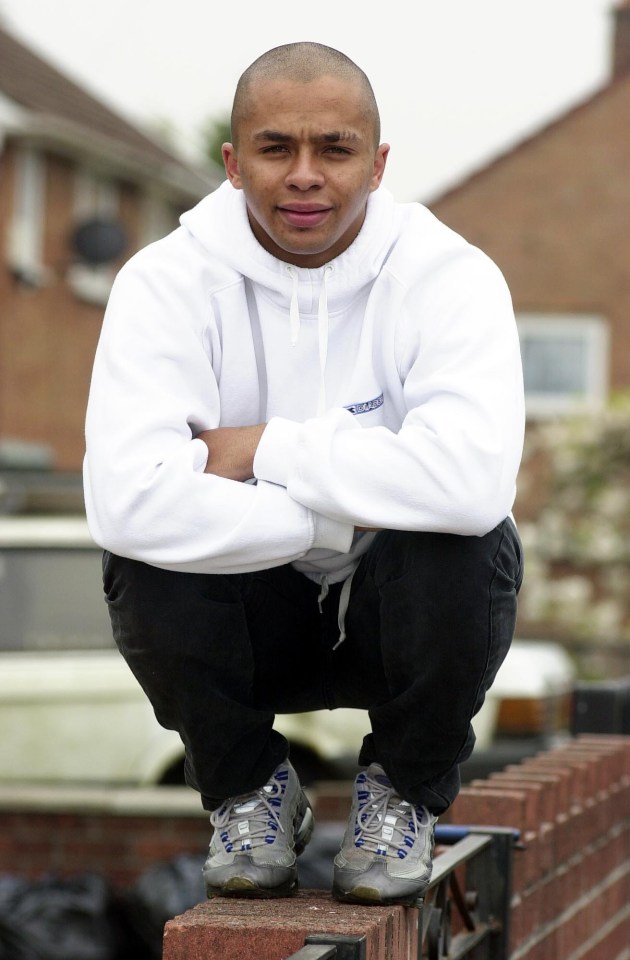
{"x": 305, "y": 171}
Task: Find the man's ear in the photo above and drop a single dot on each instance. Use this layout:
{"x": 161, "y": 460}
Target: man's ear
{"x": 230, "y": 162}
{"x": 380, "y": 161}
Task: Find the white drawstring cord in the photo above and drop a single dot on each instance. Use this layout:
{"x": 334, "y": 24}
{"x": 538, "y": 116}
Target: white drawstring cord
{"x": 322, "y": 326}
{"x": 294, "y": 310}
{"x": 344, "y": 600}
{"x": 323, "y": 592}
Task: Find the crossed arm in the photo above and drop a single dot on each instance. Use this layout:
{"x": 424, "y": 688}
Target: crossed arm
{"x": 231, "y": 450}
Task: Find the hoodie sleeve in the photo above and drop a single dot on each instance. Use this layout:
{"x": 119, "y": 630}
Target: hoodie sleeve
{"x": 153, "y": 389}
{"x": 452, "y": 465}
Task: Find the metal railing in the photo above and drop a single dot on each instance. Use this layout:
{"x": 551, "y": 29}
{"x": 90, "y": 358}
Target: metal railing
{"x": 465, "y": 911}
{"x": 467, "y": 905}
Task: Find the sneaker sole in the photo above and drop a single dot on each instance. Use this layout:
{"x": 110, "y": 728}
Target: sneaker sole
{"x": 371, "y": 896}
{"x": 243, "y": 887}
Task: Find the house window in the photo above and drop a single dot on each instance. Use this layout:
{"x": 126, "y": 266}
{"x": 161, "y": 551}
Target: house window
{"x": 565, "y": 362}
{"x": 25, "y": 247}
{"x": 157, "y": 219}
{"x": 94, "y": 198}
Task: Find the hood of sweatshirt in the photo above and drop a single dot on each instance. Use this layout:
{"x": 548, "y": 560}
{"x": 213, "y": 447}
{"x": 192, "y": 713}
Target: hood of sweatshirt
{"x": 219, "y": 223}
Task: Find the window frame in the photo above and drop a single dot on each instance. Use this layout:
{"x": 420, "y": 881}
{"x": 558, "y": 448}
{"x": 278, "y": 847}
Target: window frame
{"x": 594, "y": 331}
{"x": 25, "y": 249}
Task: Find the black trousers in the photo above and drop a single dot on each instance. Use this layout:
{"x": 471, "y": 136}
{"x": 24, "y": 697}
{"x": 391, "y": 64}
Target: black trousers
{"x": 430, "y": 619}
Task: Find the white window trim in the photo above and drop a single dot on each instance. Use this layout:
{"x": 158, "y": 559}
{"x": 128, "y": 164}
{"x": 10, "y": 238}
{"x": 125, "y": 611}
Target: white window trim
{"x": 595, "y": 331}
{"x": 26, "y": 231}
{"x": 90, "y": 283}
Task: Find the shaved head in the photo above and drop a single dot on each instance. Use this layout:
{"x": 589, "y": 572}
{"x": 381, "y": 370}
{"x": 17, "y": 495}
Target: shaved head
{"x": 302, "y": 63}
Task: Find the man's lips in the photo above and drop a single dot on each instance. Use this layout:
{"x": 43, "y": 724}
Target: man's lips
{"x": 307, "y": 215}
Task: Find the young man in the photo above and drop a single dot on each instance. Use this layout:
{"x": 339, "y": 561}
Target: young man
{"x": 303, "y": 434}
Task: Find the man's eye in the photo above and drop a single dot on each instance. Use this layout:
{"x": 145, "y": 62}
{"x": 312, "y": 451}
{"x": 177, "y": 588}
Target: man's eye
{"x": 275, "y": 148}
{"x": 335, "y": 149}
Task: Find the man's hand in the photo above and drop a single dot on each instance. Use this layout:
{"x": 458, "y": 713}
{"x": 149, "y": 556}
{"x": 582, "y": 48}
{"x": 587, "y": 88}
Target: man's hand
{"x": 231, "y": 450}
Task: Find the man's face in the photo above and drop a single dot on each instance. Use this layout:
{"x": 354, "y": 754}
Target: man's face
{"x": 306, "y": 160}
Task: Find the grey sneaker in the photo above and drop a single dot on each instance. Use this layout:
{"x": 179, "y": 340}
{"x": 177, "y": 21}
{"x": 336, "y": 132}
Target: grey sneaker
{"x": 257, "y": 838}
{"x": 386, "y": 852}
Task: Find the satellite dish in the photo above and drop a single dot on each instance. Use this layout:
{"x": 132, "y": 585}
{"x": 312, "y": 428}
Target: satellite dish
{"x": 99, "y": 241}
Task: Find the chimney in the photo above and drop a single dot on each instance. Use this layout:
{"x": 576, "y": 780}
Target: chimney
{"x": 621, "y": 40}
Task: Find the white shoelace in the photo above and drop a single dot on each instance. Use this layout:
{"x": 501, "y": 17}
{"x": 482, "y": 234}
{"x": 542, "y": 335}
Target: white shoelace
{"x": 387, "y": 825}
{"x": 251, "y": 820}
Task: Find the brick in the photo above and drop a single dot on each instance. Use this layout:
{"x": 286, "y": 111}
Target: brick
{"x": 624, "y": 799}
{"x": 564, "y": 839}
{"x": 273, "y": 929}
{"x": 613, "y": 945}
{"x": 537, "y": 860}
{"x": 519, "y": 918}
{"x": 606, "y": 763}
{"x": 541, "y": 765}
{"x": 546, "y": 848}
{"x": 525, "y": 863}
{"x": 569, "y": 937}
{"x": 587, "y": 822}
{"x": 583, "y": 779}
{"x": 501, "y": 808}
{"x": 619, "y": 743}
{"x": 558, "y": 782}
{"x": 531, "y": 791}
{"x": 546, "y": 948}
{"x": 545, "y": 790}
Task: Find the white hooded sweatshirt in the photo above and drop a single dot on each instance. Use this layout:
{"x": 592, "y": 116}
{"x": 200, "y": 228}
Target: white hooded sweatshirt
{"x": 390, "y": 380}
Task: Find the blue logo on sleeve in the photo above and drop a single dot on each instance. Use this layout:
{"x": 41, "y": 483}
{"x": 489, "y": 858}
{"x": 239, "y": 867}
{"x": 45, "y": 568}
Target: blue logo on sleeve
{"x": 366, "y": 407}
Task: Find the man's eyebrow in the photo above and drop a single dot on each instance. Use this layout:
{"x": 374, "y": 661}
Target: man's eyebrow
{"x": 272, "y": 135}
{"x": 335, "y": 136}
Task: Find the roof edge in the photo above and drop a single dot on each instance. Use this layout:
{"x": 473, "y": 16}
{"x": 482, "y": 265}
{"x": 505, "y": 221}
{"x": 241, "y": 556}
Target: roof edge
{"x": 487, "y": 166}
{"x": 97, "y": 148}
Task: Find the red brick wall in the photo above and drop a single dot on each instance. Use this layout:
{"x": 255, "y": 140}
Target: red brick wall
{"x": 119, "y": 847}
{"x": 571, "y": 882}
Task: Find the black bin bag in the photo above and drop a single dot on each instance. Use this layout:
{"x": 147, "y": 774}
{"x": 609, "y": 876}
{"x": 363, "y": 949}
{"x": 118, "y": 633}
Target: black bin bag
{"x": 57, "y": 919}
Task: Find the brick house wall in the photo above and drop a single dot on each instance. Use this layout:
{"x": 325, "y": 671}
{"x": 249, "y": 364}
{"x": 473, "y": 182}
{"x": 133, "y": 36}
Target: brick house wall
{"x": 47, "y": 333}
{"x": 66, "y": 158}
{"x": 553, "y": 214}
